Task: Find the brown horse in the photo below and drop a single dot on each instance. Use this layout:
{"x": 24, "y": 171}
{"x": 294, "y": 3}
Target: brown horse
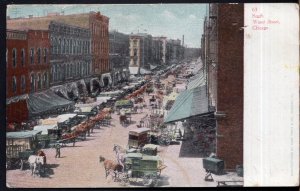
{"x": 110, "y": 165}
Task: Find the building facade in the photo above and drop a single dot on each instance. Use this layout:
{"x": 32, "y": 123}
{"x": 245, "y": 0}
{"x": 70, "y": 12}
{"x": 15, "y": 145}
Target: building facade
{"x": 223, "y": 56}
{"x": 70, "y": 53}
{"x": 157, "y": 51}
{"x": 94, "y": 21}
{"x": 140, "y": 49}
{"x": 38, "y": 60}
{"x": 119, "y": 56}
{"x": 17, "y": 78}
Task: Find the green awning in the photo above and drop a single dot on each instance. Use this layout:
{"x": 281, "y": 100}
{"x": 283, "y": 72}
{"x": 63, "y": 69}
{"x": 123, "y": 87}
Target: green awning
{"x": 199, "y": 80}
{"x": 22, "y": 134}
{"x": 191, "y": 102}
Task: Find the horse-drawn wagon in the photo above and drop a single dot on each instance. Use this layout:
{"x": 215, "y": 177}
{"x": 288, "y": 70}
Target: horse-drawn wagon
{"x": 142, "y": 168}
{"x": 138, "y": 137}
{"x": 19, "y": 146}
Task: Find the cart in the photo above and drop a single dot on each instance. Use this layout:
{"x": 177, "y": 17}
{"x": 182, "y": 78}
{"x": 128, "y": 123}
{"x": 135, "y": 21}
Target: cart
{"x": 141, "y": 168}
{"x": 138, "y": 138}
{"x": 19, "y": 146}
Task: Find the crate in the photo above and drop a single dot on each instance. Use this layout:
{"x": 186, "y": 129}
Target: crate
{"x": 213, "y": 165}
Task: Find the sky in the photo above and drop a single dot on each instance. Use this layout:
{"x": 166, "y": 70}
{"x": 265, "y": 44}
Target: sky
{"x": 170, "y": 20}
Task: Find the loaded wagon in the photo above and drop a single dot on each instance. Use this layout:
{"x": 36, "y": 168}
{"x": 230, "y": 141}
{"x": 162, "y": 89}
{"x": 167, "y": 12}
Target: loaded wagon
{"x": 138, "y": 137}
{"x": 48, "y": 136}
{"x": 19, "y": 146}
{"x": 142, "y": 168}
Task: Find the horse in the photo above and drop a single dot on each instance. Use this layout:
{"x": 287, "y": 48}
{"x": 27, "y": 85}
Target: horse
{"x": 110, "y": 165}
{"x": 120, "y": 154}
{"x": 36, "y": 162}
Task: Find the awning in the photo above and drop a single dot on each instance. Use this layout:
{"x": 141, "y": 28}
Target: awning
{"x": 16, "y": 99}
{"x": 44, "y": 128}
{"x": 21, "y": 134}
{"x": 189, "y": 103}
{"x": 38, "y": 103}
{"x": 198, "y": 81}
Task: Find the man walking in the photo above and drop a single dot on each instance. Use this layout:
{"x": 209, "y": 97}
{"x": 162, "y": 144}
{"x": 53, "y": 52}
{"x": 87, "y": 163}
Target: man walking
{"x": 57, "y": 147}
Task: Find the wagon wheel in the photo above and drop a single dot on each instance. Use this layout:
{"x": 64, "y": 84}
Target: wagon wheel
{"x": 124, "y": 179}
{"x": 147, "y": 180}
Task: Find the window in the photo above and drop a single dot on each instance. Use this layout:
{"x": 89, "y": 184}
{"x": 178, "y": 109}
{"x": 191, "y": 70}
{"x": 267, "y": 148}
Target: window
{"x": 23, "y": 57}
{"x": 59, "y": 46}
{"x": 39, "y": 56}
{"x": 32, "y": 83}
{"x": 23, "y": 84}
{"x": 14, "y": 84}
{"x": 39, "y": 81}
{"x": 45, "y": 55}
{"x": 31, "y": 56}
{"x": 64, "y": 46}
{"x": 14, "y": 57}
{"x": 45, "y": 80}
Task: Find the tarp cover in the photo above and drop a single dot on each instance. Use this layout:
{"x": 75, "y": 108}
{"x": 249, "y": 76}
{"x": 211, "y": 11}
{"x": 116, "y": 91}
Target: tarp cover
{"x": 21, "y": 134}
{"x": 44, "y": 128}
{"x": 38, "y": 103}
{"x": 189, "y": 103}
{"x": 199, "y": 80}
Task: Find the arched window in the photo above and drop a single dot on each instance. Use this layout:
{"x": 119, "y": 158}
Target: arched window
{"x": 74, "y": 48}
{"x": 64, "y": 46}
{"x": 59, "y": 46}
{"x": 14, "y": 57}
{"x": 32, "y": 56}
{"x": 39, "y": 81}
{"x": 45, "y": 55}
{"x": 32, "y": 83}
{"x": 23, "y": 84}
{"x": 45, "y": 84}
{"x": 23, "y": 57}
{"x": 39, "y": 55}
{"x": 71, "y": 46}
{"x": 14, "y": 84}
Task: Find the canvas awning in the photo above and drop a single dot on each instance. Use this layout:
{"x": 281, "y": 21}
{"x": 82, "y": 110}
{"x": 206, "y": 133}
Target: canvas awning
{"x": 44, "y": 128}
{"x": 199, "y": 80}
{"x": 189, "y": 103}
{"x": 39, "y": 103}
{"x": 21, "y": 134}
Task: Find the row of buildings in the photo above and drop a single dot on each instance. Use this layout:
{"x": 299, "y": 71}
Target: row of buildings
{"x": 222, "y": 45}
{"x": 147, "y": 52}
{"x": 68, "y": 53}
{"x": 54, "y": 50}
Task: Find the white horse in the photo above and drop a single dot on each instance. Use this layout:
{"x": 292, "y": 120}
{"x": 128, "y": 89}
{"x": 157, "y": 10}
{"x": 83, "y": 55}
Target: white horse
{"x": 36, "y": 163}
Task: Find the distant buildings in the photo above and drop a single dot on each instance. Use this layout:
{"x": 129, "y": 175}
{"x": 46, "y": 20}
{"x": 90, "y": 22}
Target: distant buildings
{"x": 119, "y": 56}
{"x": 140, "y": 48}
{"x": 222, "y": 55}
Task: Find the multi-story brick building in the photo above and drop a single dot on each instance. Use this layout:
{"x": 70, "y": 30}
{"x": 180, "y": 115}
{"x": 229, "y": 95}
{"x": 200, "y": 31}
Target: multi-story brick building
{"x": 70, "y": 52}
{"x": 38, "y": 60}
{"x": 140, "y": 51}
{"x": 223, "y": 58}
{"x": 17, "y": 78}
{"x": 94, "y": 21}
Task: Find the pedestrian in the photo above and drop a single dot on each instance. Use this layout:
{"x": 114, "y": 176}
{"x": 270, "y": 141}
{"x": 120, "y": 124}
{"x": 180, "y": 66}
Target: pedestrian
{"x": 57, "y": 147}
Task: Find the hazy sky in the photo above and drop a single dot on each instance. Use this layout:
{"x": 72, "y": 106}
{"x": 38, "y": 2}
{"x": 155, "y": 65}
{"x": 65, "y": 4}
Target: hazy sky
{"x": 170, "y": 20}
